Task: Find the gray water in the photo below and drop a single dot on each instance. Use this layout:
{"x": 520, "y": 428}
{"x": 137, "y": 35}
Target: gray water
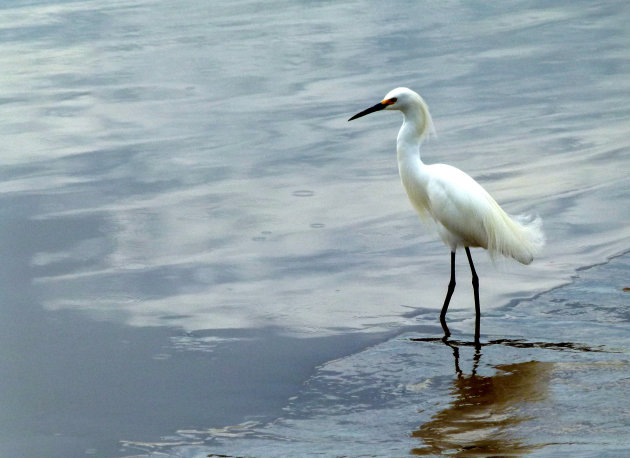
{"x": 192, "y": 232}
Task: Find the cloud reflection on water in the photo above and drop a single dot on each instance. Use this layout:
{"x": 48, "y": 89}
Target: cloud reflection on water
{"x": 209, "y": 144}
{"x": 190, "y": 135}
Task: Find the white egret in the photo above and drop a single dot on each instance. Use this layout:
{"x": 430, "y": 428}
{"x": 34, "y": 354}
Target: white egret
{"x": 465, "y": 214}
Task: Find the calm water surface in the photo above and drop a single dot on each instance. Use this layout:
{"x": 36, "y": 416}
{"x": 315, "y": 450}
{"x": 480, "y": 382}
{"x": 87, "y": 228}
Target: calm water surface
{"x": 194, "y": 237}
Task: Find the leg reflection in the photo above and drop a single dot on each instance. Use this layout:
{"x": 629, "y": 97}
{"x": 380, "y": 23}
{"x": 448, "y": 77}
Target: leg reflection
{"x": 485, "y": 411}
{"x": 455, "y": 349}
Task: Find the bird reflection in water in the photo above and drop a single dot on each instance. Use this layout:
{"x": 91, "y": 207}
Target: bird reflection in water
{"x": 481, "y": 418}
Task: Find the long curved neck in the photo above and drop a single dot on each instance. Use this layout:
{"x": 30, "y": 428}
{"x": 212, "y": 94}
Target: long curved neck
{"x": 415, "y": 128}
{"x": 417, "y": 125}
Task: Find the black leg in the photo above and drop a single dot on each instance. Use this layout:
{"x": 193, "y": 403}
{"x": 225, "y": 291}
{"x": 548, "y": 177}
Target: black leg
{"x": 475, "y": 283}
{"x": 447, "y": 299}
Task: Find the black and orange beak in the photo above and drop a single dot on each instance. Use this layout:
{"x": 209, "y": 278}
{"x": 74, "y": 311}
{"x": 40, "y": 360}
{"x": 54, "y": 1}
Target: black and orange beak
{"x": 378, "y": 107}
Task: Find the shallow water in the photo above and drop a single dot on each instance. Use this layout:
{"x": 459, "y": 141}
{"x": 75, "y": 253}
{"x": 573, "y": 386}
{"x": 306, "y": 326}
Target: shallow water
{"x": 191, "y": 227}
{"x": 550, "y": 379}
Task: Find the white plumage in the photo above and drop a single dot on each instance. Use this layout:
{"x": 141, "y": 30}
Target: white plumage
{"x": 466, "y": 215}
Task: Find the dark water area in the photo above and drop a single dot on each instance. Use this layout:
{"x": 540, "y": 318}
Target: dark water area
{"x": 201, "y": 255}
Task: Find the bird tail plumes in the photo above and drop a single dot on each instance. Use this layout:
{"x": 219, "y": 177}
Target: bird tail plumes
{"x": 519, "y": 237}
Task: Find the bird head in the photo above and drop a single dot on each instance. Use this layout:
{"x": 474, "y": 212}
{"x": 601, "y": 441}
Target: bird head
{"x": 396, "y": 99}
{"x": 409, "y": 103}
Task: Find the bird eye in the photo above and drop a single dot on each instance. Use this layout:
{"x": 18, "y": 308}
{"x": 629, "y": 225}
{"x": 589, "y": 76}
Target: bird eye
{"x": 389, "y": 101}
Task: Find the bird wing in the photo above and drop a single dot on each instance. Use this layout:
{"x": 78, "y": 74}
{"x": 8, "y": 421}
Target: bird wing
{"x": 460, "y": 205}
{"x": 469, "y": 216}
